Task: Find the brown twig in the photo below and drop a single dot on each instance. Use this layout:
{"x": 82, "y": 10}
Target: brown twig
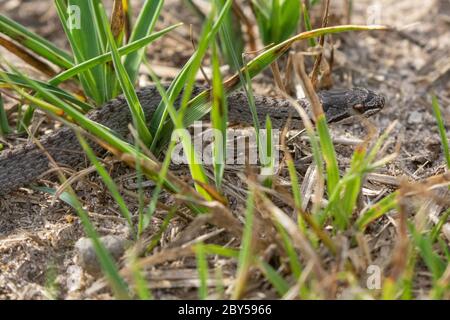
{"x": 317, "y": 63}
{"x": 248, "y": 25}
{"x": 277, "y": 76}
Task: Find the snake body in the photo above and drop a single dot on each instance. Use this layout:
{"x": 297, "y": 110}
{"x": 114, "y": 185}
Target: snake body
{"x": 25, "y": 163}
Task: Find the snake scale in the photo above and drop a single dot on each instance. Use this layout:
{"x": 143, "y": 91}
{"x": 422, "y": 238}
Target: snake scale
{"x": 23, "y": 164}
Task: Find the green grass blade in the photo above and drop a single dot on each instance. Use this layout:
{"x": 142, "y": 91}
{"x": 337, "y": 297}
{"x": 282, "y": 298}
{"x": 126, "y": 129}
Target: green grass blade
{"x": 264, "y": 59}
{"x": 275, "y": 20}
{"x": 275, "y": 279}
{"x": 61, "y": 109}
{"x": 438, "y": 227}
{"x": 219, "y": 119}
{"x": 104, "y": 257}
{"x": 198, "y": 106}
{"x": 157, "y": 237}
{"x": 144, "y": 26}
{"x": 353, "y": 187}
{"x": 68, "y": 23}
{"x": 127, "y": 49}
{"x": 247, "y": 85}
{"x": 342, "y": 199}
{"x": 290, "y": 18}
{"x": 112, "y": 187}
{"x": 191, "y": 67}
{"x": 106, "y": 261}
{"x": 221, "y": 251}
{"x": 167, "y": 159}
{"x": 181, "y": 133}
{"x": 196, "y": 168}
{"x": 165, "y": 165}
{"x": 141, "y": 284}
{"x": 307, "y": 22}
{"x": 424, "y": 245}
{"x": 294, "y": 261}
{"x": 231, "y": 39}
{"x": 245, "y": 255}
{"x": 195, "y": 165}
{"x": 295, "y": 185}
{"x": 86, "y": 41}
{"x": 19, "y": 81}
{"x": 377, "y": 210}
{"x": 442, "y": 131}
{"x": 186, "y": 79}
{"x": 35, "y": 43}
{"x": 127, "y": 87}
{"x": 4, "y": 125}
{"x": 107, "y": 73}
{"x": 202, "y": 269}
{"x": 63, "y": 196}
{"x": 266, "y": 151}
{"x": 329, "y": 154}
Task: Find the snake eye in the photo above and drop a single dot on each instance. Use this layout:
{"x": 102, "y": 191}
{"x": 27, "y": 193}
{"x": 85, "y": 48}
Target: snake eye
{"x": 359, "y": 107}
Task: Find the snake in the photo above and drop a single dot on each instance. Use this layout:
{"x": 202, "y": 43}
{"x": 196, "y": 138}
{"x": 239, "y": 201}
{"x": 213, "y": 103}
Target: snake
{"x": 25, "y": 163}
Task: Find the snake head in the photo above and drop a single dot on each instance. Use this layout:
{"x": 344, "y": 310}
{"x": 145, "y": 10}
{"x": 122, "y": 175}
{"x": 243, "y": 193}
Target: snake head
{"x": 364, "y": 101}
{"x": 340, "y": 104}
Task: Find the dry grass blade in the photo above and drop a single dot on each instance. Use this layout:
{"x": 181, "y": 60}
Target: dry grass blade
{"x": 277, "y": 76}
{"x": 215, "y": 195}
{"x": 248, "y": 25}
{"x": 316, "y": 106}
{"x": 161, "y": 257}
{"x": 299, "y": 240}
{"x": 33, "y": 61}
{"x": 426, "y": 185}
{"x": 106, "y": 261}
{"x": 317, "y": 63}
{"x": 152, "y": 170}
{"x": 247, "y": 249}
{"x": 399, "y": 257}
{"x": 118, "y": 20}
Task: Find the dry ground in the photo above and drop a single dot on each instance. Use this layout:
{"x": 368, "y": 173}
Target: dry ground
{"x": 37, "y": 234}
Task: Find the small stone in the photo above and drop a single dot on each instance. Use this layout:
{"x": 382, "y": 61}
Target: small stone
{"x": 87, "y": 257}
{"x": 415, "y": 117}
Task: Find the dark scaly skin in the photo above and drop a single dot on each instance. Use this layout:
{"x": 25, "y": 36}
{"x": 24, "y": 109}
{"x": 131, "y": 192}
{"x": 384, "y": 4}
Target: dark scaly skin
{"x": 25, "y": 163}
